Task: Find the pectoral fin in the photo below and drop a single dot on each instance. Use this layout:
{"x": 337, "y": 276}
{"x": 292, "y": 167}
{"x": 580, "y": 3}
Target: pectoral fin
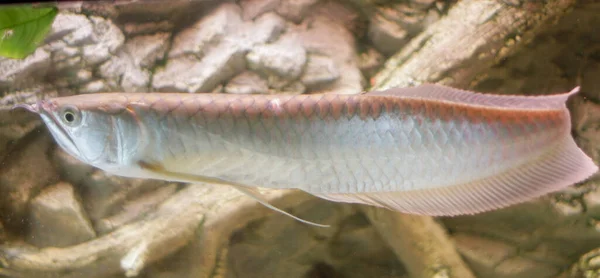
{"x": 248, "y": 191}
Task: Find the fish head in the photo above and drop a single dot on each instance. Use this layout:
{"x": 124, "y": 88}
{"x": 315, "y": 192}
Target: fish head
{"x": 86, "y": 128}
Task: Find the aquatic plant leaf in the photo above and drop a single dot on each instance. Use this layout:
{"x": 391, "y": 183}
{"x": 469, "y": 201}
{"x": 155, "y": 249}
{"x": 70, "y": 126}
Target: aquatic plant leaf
{"x": 22, "y": 28}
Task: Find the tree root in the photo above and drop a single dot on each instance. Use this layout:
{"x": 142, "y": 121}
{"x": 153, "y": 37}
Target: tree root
{"x": 475, "y": 35}
{"x": 215, "y": 211}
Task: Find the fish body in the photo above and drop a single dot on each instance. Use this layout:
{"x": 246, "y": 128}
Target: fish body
{"x": 427, "y": 150}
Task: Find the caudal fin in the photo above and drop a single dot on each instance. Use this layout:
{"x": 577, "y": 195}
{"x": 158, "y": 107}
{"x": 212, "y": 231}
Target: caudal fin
{"x": 563, "y": 166}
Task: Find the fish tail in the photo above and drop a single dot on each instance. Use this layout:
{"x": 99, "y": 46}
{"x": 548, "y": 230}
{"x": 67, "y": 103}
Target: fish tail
{"x": 562, "y": 165}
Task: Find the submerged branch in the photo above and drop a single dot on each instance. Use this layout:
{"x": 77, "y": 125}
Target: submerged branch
{"x": 204, "y": 210}
{"x": 458, "y": 49}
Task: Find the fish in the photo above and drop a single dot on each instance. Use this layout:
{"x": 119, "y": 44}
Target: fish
{"x": 428, "y": 150}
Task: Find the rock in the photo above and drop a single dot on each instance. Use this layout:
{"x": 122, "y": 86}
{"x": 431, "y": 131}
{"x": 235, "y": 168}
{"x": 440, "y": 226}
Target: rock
{"x": 96, "y": 86}
{"x": 587, "y": 266}
{"x": 586, "y": 116}
{"x": 135, "y": 208}
{"x": 254, "y": 8}
{"x": 572, "y": 209}
{"x": 84, "y": 75}
{"x": 57, "y": 218}
{"x": 73, "y": 29}
{"x": 129, "y": 70}
{"x": 24, "y": 172}
{"x": 80, "y": 42}
{"x": 148, "y": 28}
{"x": 332, "y": 39}
{"x": 70, "y": 168}
{"x": 187, "y": 74}
{"x": 294, "y": 88}
{"x": 320, "y": 70}
{"x": 212, "y": 51}
{"x": 247, "y": 83}
{"x": 591, "y": 201}
{"x": 370, "y": 61}
{"x": 422, "y": 4}
{"x": 99, "y": 9}
{"x": 105, "y": 195}
{"x": 295, "y": 10}
{"x": 482, "y": 254}
{"x": 281, "y": 62}
{"x": 158, "y": 10}
{"x": 386, "y": 35}
{"x": 15, "y": 73}
{"x": 16, "y": 124}
{"x": 148, "y": 49}
{"x": 518, "y": 267}
{"x": 265, "y": 29}
{"x": 548, "y": 253}
{"x": 106, "y": 38}
{"x": 207, "y": 32}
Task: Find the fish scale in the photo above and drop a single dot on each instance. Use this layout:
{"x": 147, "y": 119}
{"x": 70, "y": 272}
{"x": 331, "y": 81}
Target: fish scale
{"x": 430, "y": 149}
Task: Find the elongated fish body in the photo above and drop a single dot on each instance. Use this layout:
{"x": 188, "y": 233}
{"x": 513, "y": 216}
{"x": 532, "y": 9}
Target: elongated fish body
{"x": 428, "y": 150}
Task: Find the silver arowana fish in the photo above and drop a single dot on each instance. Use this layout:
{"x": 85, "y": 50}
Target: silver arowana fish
{"x": 429, "y": 150}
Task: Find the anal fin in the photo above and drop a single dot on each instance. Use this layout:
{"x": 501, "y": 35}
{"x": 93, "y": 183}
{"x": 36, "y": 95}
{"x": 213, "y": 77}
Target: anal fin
{"x": 248, "y": 191}
{"x": 565, "y": 165}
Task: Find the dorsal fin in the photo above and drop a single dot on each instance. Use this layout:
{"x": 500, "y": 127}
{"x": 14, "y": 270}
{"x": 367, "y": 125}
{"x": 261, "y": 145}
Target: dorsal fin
{"x": 439, "y": 92}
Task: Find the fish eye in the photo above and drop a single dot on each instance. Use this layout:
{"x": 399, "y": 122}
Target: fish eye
{"x": 70, "y": 116}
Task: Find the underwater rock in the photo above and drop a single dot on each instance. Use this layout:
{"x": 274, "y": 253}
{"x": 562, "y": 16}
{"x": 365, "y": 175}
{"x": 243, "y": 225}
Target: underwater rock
{"x": 147, "y": 28}
{"x": 135, "y": 208}
{"x": 247, "y": 83}
{"x": 23, "y": 174}
{"x": 482, "y": 254}
{"x": 19, "y": 73}
{"x": 209, "y": 31}
{"x": 294, "y": 88}
{"x": 188, "y": 74}
{"x": 320, "y": 70}
{"x": 130, "y": 69}
{"x": 105, "y": 195}
{"x": 96, "y": 86}
{"x": 105, "y": 39}
{"x": 57, "y": 218}
{"x": 212, "y": 51}
{"x": 386, "y": 35}
{"x": 79, "y": 42}
{"x": 281, "y": 61}
{"x": 295, "y": 10}
{"x": 254, "y": 8}
{"x": 519, "y": 267}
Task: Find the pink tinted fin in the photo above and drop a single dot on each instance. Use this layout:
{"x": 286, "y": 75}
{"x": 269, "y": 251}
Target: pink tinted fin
{"x": 439, "y": 92}
{"x": 564, "y": 166}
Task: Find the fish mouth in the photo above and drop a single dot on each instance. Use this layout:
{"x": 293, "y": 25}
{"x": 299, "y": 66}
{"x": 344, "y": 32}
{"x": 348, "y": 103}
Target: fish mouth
{"x": 35, "y": 108}
{"x": 61, "y": 136}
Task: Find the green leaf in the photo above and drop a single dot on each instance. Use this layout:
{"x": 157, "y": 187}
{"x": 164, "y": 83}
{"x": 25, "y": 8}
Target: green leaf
{"x": 22, "y": 28}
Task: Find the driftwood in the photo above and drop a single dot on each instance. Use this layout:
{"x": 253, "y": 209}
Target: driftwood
{"x": 210, "y": 212}
{"x": 475, "y": 35}
{"x": 455, "y": 51}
